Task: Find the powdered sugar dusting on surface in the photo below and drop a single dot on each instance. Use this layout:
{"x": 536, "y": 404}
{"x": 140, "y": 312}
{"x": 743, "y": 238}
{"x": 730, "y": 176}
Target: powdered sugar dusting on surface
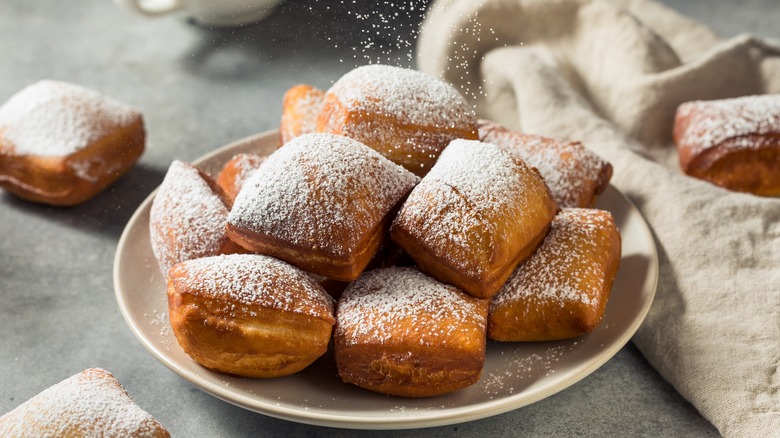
{"x": 550, "y": 274}
{"x": 91, "y": 403}
{"x": 397, "y": 305}
{"x": 566, "y": 167}
{"x": 319, "y": 188}
{"x": 522, "y": 369}
{"x": 715, "y": 121}
{"x": 473, "y": 190}
{"x": 253, "y": 279}
{"x": 52, "y": 118}
{"x": 403, "y": 93}
{"x": 187, "y": 219}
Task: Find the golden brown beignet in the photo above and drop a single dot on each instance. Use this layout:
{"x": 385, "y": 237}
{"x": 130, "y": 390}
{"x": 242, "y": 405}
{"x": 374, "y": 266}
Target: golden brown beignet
{"x": 187, "y": 218}
{"x": 249, "y": 315}
{"x": 562, "y": 290}
{"x": 89, "y": 404}
{"x": 61, "y": 144}
{"x": 732, "y": 143}
{"x": 321, "y": 202}
{"x": 574, "y": 174}
{"x": 405, "y": 115}
{"x": 235, "y": 173}
{"x": 403, "y": 333}
{"x": 300, "y": 110}
{"x": 474, "y": 217}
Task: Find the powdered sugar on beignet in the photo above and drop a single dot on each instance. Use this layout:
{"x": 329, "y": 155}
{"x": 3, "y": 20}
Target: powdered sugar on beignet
{"x": 574, "y": 174}
{"x": 319, "y": 202}
{"x": 187, "y": 218}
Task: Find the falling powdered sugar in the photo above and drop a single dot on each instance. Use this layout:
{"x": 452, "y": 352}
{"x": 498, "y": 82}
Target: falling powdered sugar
{"x": 51, "y": 118}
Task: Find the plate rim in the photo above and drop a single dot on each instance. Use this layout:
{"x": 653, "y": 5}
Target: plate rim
{"x": 451, "y": 416}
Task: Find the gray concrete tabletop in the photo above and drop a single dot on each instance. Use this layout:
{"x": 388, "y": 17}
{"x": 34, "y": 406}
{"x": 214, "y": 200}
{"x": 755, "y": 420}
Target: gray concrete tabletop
{"x": 198, "y": 89}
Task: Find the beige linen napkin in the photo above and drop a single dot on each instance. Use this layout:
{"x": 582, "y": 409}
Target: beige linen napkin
{"x": 611, "y": 74}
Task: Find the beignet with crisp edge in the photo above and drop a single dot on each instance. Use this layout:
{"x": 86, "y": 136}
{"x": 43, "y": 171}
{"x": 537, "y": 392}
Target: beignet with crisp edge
{"x": 235, "y": 173}
{"x": 476, "y": 215}
{"x": 300, "y": 109}
{"x": 91, "y": 403}
{"x": 249, "y": 315}
{"x": 732, "y": 143}
{"x": 62, "y": 144}
{"x": 400, "y": 332}
{"x": 574, "y": 174}
{"x": 562, "y": 290}
{"x": 321, "y": 202}
{"x": 187, "y": 218}
{"x": 405, "y": 115}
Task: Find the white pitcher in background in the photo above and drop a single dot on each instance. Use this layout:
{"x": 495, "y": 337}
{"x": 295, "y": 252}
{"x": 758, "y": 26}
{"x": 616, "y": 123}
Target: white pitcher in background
{"x": 223, "y": 13}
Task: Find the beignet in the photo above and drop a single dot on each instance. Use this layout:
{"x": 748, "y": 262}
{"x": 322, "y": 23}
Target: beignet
{"x": 400, "y": 332}
{"x": 474, "y": 217}
{"x": 732, "y": 143}
{"x": 562, "y": 290}
{"x": 187, "y": 218}
{"x": 235, "y": 173}
{"x": 321, "y": 202}
{"x": 249, "y": 315}
{"x": 62, "y": 144}
{"x": 574, "y": 174}
{"x": 405, "y": 115}
{"x": 89, "y": 404}
{"x": 300, "y": 109}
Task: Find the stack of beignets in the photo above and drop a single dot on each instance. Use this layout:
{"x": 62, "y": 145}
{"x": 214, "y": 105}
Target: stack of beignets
{"x": 562, "y": 290}
{"x": 405, "y": 115}
{"x": 474, "y": 217}
{"x": 732, "y": 143}
{"x": 321, "y": 202}
{"x": 187, "y": 218}
{"x": 350, "y": 214}
{"x": 574, "y": 174}
{"x": 89, "y": 404}
{"x": 61, "y": 144}
{"x": 403, "y": 333}
{"x": 248, "y": 314}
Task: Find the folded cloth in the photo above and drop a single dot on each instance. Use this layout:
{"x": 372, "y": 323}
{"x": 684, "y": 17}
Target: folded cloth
{"x": 611, "y": 73}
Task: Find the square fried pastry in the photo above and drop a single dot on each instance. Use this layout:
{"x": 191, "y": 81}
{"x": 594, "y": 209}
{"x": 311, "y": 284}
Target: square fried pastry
{"x": 476, "y": 215}
{"x": 91, "y": 403}
{"x": 562, "y": 290}
{"x": 300, "y": 109}
{"x": 187, "y": 218}
{"x": 321, "y": 202}
{"x": 732, "y": 143}
{"x": 235, "y": 173}
{"x": 249, "y": 314}
{"x": 405, "y": 115}
{"x": 61, "y": 144}
{"x": 400, "y": 332}
{"x": 574, "y": 174}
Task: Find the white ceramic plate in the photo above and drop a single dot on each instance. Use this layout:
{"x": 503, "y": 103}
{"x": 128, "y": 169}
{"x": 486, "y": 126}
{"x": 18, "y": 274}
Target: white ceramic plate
{"x": 515, "y": 375}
